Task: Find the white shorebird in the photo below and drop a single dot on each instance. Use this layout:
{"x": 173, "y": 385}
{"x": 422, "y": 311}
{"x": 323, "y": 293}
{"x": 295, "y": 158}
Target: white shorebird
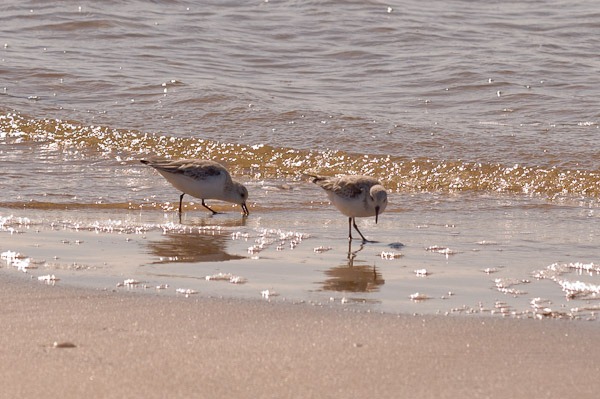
{"x": 202, "y": 179}
{"x": 354, "y": 196}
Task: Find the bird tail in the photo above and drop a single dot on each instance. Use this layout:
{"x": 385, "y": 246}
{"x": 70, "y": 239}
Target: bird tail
{"x": 314, "y": 178}
{"x": 152, "y": 160}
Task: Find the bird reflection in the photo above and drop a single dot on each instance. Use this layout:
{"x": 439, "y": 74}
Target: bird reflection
{"x": 191, "y": 247}
{"x": 352, "y": 254}
{"x": 220, "y": 219}
{"x": 351, "y": 277}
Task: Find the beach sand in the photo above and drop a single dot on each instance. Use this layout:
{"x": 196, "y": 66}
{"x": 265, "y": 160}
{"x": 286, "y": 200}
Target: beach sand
{"x": 124, "y": 344}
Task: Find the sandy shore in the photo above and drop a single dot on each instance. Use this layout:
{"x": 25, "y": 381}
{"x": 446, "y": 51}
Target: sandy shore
{"x": 141, "y": 345}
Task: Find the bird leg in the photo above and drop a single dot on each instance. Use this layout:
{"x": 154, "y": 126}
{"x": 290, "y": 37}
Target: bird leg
{"x": 206, "y": 206}
{"x": 180, "y": 200}
{"x": 356, "y": 227}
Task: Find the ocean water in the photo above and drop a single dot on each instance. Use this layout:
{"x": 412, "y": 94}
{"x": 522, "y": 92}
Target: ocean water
{"x": 481, "y": 119}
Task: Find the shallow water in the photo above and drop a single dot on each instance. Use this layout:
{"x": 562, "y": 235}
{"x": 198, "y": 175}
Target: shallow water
{"x": 480, "y": 119}
{"x": 455, "y": 260}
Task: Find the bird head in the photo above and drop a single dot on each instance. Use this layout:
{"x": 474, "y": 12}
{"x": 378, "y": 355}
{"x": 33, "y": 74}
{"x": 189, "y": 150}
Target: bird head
{"x": 379, "y": 196}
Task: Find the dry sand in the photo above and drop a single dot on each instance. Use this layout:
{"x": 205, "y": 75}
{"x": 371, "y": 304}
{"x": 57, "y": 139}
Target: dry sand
{"x": 143, "y": 345}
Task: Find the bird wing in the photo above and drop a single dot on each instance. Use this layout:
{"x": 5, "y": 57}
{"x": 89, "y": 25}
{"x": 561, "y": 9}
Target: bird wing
{"x": 193, "y": 168}
{"x": 339, "y": 186}
{"x": 198, "y": 172}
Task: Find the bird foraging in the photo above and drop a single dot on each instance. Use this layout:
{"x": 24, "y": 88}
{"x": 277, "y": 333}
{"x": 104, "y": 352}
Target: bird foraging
{"x": 202, "y": 179}
{"x": 354, "y": 196}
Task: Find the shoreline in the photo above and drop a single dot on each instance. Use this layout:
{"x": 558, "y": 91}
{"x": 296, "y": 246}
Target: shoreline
{"x": 126, "y": 344}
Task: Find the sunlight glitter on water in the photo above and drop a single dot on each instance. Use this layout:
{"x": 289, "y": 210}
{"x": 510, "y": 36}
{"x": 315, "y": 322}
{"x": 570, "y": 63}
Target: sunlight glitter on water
{"x": 267, "y": 162}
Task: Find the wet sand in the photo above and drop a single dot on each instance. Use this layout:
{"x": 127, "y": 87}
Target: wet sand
{"x": 145, "y": 345}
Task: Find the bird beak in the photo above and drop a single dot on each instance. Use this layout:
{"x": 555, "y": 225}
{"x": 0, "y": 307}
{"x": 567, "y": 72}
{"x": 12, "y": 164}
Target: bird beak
{"x": 245, "y": 209}
{"x": 376, "y": 214}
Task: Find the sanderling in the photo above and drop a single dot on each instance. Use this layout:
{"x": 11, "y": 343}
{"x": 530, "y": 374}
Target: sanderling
{"x": 354, "y": 196}
{"x": 202, "y": 179}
